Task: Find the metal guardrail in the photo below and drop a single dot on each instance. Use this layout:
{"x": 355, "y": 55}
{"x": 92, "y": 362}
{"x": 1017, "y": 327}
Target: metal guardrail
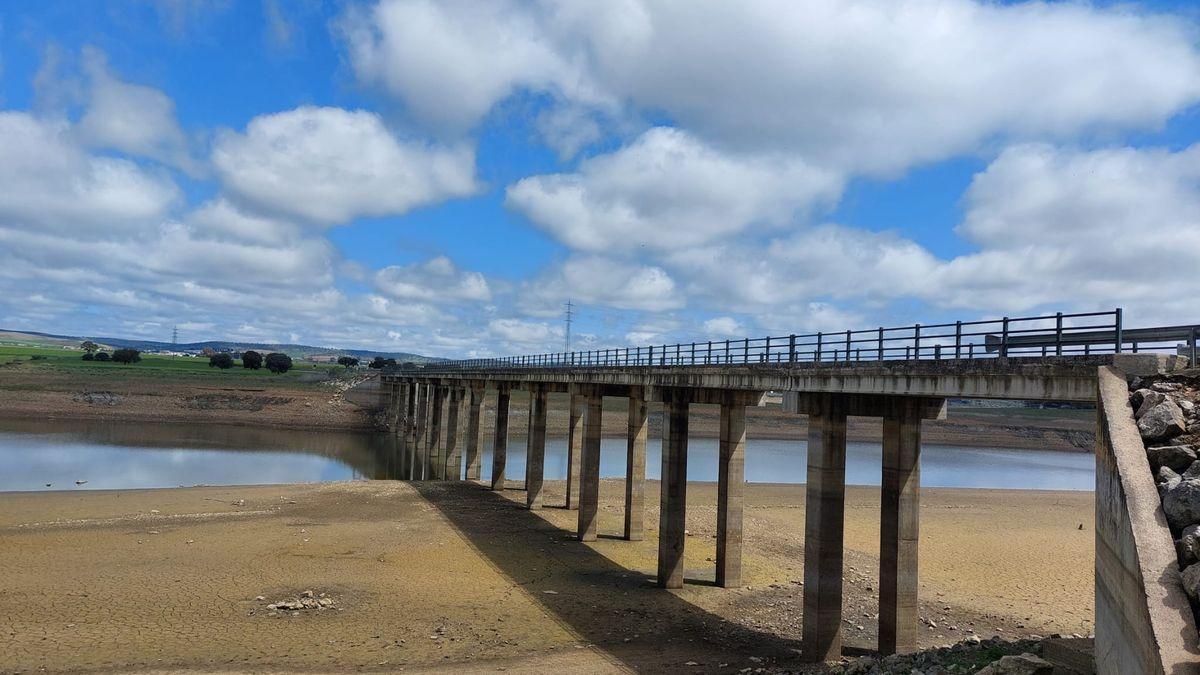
{"x": 1048, "y": 335}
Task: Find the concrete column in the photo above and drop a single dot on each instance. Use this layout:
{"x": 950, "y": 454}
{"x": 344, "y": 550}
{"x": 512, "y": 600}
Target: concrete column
{"x": 589, "y": 468}
{"x": 419, "y": 436}
{"x": 535, "y": 455}
{"x": 473, "y": 415}
{"x": 673, "y": 494}
{"x": 399, "y": 401}
{"x": 731, "y": 479}
{"x": 899, "y": 527}
{"x": 500, "y": 444}
{"x": 433, "y": 469}
{"x": 823, "y": 528}
{"x": 453, "y": 470}
{"x": 410, "y": 431}
{"x": 635, "y": 467}
{"x": 574, "y": 449}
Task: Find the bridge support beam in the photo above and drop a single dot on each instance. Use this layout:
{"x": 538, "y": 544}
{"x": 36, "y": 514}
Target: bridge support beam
{"x": 535, "y": 454}
{"x": 574, "y": 448}
{"x": 823, "y": 529}
{"x": 453, "y": 470}
{"x": 672, "y": 519}
{"x": 419, "y": 453}
{"x": 589, "y": 469}
{"x": 635, "y": 466}
{"x": 474, "y": 412}
{"x": 500, "y": 442}
{"x": 410, "y": 430}
{"x": 731, "y": 479}
{"x": 433, "y": 469}
{"x": 899, "y": 527}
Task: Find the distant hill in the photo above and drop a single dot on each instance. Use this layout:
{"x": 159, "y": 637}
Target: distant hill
{"x": 298, "y": 351}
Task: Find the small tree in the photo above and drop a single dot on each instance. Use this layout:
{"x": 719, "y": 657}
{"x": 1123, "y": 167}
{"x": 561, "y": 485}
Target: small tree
{"x": 89, "y": 346}
{"x": 347, "y": 361}
{"x": 278, "y": 363}
{"x": 88, "y": 356}
{"x": 222, "y": 361}
{"x": 103, "y": 356}
{"x": 127, "y": 356}
{"x": 252, "y": 360}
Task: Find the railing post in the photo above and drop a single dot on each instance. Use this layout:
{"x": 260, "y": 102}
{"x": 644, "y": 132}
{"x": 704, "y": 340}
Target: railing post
{"x": 746, "y": 350}
{"x": 1120, "y": 336}
{"x": 820, "y": 339}
{"x": 937, "y": 352}
{"x": 881, "y": 343}
{"x": 1058, "y": 335}
{"x": 708, "y": 354}
{"x": 728, "y": 356}
{"x": 917, "y": 341}
{"x": 1193, "y": 342}
{"x": 847, "y": 345}
{"x": 958, "y": 339}
{"x": 1004, "y": 339}
{"x": 792, "y": 348}
{"x": 693, "y": 353}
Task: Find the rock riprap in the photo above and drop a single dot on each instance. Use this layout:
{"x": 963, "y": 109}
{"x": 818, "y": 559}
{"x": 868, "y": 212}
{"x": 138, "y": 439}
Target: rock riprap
{"x": 305, "y": 601}
{"x": 1168, "y": 419}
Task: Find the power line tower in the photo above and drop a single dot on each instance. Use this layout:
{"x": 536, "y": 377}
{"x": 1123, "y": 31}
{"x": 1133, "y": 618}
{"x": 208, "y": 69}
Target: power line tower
{"x": 175, "y": 335}
{"x": 570, "y": 316}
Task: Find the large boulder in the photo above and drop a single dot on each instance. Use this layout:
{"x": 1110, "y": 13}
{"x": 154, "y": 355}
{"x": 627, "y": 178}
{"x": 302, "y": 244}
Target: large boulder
{"x": 1162, "y": 422}
{"x": 1143, "y": 400}
{"x": 1019, "y": 664}
{"x": 1188, "y": 545}
{"x": 1191, "y": 581}
{"x": 1181, "y": 504}
{"x": 1176, "y": 457}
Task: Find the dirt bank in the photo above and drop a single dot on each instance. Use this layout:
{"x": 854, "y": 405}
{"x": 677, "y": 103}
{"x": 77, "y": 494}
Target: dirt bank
{"x": 457, "y": 578}
{"x": 133, "y": 397}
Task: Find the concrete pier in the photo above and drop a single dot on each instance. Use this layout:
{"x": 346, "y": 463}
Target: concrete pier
{"x": 673, "y": 495}
{"x": 434, "y": 459}
{"x": 823, "y": 529}
{"x": 474, "y": 413}
{"x": 635, "y": 466}
{"x": 419, "y": 443}
{"x": 899, "y": 527}
{"x": 574, "y": 448}
{"x": 589, "y": 469}
{"x": 453, "y": 469}
{"x": 535, "y": 455}
{"x": 410, "y": 430}
{"x": 731, "y": 480}
{"x": 500, "y": 444}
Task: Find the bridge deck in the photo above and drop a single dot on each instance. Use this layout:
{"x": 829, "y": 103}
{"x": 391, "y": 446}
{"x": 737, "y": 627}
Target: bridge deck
{"x": 1064, "y": 378}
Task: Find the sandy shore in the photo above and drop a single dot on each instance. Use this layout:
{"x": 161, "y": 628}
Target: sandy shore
{"x": 457, "y": 578}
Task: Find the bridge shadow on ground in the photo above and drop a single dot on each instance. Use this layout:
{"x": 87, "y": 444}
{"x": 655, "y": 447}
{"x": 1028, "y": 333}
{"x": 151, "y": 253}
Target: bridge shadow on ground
{"x": 618, "y": 610}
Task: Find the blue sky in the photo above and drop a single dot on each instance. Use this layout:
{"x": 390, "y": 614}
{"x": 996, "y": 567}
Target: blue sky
{"x": 442, "y": 177}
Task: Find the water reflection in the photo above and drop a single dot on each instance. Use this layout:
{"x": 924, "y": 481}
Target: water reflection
{"x": 120, "y": 455}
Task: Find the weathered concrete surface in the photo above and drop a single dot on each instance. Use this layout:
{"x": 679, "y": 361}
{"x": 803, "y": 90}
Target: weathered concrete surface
{"x": 900, "y": 500}
{"x": 635, "y": 469}
{"x": 1043, "y": 378}
{"x": 1143, "y": 621}
{"x": 731, "y": 483}
{"x": 824, "y": 524}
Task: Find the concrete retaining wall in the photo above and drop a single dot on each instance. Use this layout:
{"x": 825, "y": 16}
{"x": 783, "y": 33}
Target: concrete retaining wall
{"x": 1143, "y": 621}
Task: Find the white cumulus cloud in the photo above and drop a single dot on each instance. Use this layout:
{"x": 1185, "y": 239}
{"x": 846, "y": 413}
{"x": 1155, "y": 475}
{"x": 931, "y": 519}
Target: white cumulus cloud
{"x": 329, "y": 166}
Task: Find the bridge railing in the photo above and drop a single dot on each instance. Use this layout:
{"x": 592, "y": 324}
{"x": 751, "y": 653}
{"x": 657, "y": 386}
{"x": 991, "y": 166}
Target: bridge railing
{"x": 1047, "y": 335}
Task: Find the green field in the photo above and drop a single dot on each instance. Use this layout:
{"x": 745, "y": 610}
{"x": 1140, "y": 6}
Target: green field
{"x": 49, "y": 359}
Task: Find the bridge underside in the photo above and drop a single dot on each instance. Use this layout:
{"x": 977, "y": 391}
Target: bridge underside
{"x": 901, "y": 393}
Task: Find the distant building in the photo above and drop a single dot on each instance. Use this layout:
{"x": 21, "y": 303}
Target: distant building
{"x": 321, "y": 358}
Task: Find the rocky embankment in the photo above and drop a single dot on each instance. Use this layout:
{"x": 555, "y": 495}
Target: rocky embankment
{"x": 1167, "y": 410}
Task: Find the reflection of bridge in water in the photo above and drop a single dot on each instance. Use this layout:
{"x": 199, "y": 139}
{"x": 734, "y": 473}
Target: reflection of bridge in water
{"x": 903, "y": 375}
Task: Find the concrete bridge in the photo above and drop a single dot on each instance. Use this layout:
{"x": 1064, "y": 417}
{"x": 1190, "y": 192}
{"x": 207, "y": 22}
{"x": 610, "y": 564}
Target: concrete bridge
{"x": 903, "y": 375}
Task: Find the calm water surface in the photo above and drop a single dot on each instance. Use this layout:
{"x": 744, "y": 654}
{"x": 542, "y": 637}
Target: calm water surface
{"x": 53, "y": 455}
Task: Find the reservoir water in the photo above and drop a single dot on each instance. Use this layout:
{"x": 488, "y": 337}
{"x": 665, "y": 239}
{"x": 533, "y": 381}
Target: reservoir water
{"x": 54, "y": 454}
